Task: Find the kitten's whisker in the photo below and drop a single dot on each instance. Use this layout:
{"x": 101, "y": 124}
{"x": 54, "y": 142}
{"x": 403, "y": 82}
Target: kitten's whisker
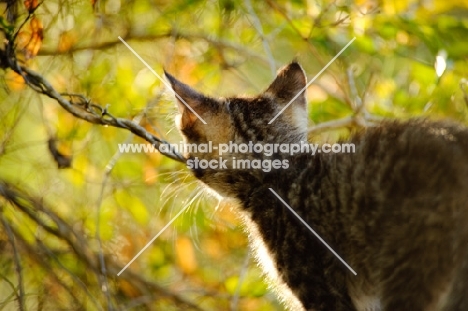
{"x": 312, "y": 230}
{"x": 172, "y": 173}
{"x": 169, "y": 189}
{"x": 174, "y": 193}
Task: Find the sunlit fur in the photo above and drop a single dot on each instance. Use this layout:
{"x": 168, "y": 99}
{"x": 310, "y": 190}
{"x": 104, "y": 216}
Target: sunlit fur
{"x": 396, "y": 210}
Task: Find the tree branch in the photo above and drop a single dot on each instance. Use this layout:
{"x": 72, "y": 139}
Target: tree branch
{"x": 90, "y": 112}
{"x": 80, "y": 247}
{"x": 84, "y": 109}
{"x": 16, "y": 259}
{"x": 171, "y": 33}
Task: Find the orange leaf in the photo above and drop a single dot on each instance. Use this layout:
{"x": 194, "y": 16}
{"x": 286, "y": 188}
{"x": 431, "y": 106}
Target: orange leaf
{"x": 36, "y": 25}
{"x": 66, "y": 41}
{"x": 185, "y": 255}
{"x": 23, "y": 38}
{"x": 14, "y": 81}
{"x": 150, "y": 173}
{"x": 128, "y": 289}
{"x": 30, "y": 41}
{"x": 37, "y": 35}
{"x": 31, "y": 5}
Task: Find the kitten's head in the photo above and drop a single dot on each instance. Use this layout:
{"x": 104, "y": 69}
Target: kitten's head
{"x": 244, "y": 119}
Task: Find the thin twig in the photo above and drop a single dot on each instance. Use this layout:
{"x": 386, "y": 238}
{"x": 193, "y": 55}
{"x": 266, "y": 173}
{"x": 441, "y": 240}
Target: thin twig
{"x": 44, "y": 249}
{"x": 171, "y": 33}
{"x": 109, "y": 167}
{"x": 343, "y": 122}
{"x": 64, "y": 232}
{"x": 35, "y": 254}
{"x": 18, "y": 268}
{"x": 31, "y": 207}
{"x": 258, "y": 27}
{"x": 463, "y": 87}
{"x": 356, "y": 100}
{"x": 312, "y": 48}
{"x": 241, "y": 279}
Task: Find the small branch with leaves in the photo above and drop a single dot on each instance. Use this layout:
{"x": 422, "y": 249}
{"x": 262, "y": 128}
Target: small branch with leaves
{"x": 84, "y": 109}
{"x": 76, "y": 104}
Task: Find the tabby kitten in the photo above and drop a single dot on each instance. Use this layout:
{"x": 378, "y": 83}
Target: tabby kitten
{"x": 396, "y": 210}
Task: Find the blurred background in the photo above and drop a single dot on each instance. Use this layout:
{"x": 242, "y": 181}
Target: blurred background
{"x": 74, "y": 210}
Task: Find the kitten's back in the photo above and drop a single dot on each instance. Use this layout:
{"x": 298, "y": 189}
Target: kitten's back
{"x": 396, "y": 210}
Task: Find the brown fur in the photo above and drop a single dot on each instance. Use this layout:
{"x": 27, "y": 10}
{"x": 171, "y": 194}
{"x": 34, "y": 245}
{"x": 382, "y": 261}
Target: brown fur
{"x": 396, "y": 210}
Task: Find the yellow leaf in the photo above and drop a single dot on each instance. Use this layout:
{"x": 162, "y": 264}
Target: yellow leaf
{"x": 134, "y": 205}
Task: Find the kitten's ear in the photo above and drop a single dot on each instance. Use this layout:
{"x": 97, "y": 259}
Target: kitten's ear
{"x": 186, "y": 97}
{"x": 290, "y": 80}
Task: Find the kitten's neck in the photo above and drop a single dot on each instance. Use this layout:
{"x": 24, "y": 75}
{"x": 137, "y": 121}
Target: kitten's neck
{"x": 232, "y": 183}
{"x": 242, "y": 183}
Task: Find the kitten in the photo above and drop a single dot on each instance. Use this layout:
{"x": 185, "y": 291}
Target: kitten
{"x": 396, "y": 210}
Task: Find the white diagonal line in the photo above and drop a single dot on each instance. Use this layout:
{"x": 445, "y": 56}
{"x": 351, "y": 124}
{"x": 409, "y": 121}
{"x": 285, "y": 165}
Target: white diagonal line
{"x": 312, "y": 230}
{"x": 313, "y": 79}
{"x": 159, "y": 77}
{"x": 153, "y": 239}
